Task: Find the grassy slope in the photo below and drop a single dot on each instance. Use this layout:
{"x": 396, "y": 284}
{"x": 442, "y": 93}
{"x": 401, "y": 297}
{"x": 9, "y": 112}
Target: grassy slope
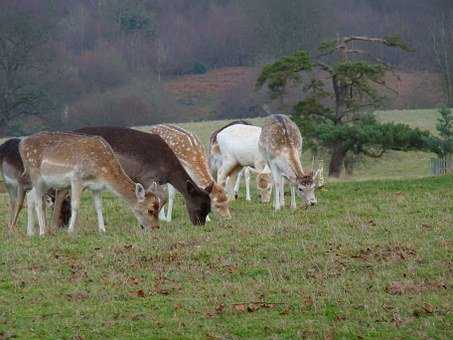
{"x": 326, "y": 269}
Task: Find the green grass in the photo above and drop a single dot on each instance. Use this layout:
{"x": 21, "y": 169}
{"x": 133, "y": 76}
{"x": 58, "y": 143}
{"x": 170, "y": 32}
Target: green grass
{"x": 372, "y": 260}
{"x": 318, "y": 272}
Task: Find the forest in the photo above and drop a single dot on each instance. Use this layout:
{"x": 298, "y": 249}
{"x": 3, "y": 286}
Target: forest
{"x": 65, "y": 64}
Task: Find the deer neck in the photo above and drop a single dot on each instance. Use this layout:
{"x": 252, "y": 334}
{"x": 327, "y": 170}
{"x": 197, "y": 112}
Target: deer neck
{"x": 123, "y": 187}
{"x": 295, "y": 167}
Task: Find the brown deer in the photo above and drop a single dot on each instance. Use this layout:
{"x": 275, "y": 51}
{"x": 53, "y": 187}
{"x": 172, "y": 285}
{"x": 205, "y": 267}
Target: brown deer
{"x": 68, "y": 160}
{"x": 18, "y": 183}
{"x": 280, "y": 143}
{"x": 190, "y": 152}
{"x": 146, "y": 158}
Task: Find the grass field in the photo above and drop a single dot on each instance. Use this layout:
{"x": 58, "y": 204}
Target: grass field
{"x": 374, "y": 259}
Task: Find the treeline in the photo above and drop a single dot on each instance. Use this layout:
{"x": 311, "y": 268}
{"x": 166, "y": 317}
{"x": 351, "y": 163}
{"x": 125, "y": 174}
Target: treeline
{"x": 89, "y": 62}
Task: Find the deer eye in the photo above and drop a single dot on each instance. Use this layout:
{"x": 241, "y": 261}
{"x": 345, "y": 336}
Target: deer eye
{"x": 150, "y": 212}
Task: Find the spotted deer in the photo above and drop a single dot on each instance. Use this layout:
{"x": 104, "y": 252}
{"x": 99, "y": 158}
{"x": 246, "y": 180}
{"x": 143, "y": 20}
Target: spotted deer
{"x": 280, "y": 143}
{"x": 18, "y": 183}
{"x": 191, "y": 153}
{"x": 67, "y": 160}
{"x": 234, "y": 147}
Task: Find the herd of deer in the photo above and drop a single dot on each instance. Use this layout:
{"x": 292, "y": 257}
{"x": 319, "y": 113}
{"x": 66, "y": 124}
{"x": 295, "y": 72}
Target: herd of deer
{"x": 53, "y": 168}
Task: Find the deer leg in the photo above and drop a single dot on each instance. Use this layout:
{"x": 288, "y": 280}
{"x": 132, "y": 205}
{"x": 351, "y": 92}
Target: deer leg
{"x": 232, "y": 175}
{"x": 57, "y": 206}
{"x": 293, "y": 196}
{"x": 30, "y": 212}
{"x": 20, "y": 197}
{"x": 227, "y": 166}
{"x": 277, "y": 183}
{"x": 98, "y": 206}
{"x": 12, "y": 203}
{"x": 282, "y": 191}
{"x": 237, "y": 185}
{"x": 171, "y": 199}
{"x": 39, "y": 206}
{"x": 76, "y": 193}
{"x": 247, "y": 184}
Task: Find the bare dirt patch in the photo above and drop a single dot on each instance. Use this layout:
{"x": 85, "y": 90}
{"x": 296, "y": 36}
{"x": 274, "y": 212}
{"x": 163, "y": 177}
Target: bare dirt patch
{"x": 386, "y": 254}
{"x": 400, "y": 288}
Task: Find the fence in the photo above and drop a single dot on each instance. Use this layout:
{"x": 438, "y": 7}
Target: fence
{"x": 440, "y": 166}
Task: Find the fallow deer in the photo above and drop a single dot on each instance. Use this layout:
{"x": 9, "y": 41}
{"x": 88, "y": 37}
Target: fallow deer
{"x": 68, "y": 160}
{"x": 18, "y": 183}
{"x": 280, "y": 143}
{"x": 191, "y": 153}
{"x": 146, "y": 158}
{"x": 234, "y": 147}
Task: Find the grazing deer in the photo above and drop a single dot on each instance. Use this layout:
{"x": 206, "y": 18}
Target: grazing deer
{"x": 214, "y": 154}
{"x": 236, "y": 146}
{"x": 146, "y": 158}
{"x": 190, "y": 152}
{"x": 18, "y": 183}
{"x": 63, "y": 160}
{"x": 280, "y": 143}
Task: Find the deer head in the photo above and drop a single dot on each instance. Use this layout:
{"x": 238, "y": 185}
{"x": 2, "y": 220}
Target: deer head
{"x": 219, "y": 199}
{"x": 309, "y": 182}
{"x": 198, "y": 203}
{"x": 264, "y": 186}
{"x": 147, "y": 206}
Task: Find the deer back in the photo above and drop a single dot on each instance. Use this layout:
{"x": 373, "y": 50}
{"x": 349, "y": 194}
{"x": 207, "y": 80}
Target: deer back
{"x": 189, "y": 150}
{"x": 280, "y": 138}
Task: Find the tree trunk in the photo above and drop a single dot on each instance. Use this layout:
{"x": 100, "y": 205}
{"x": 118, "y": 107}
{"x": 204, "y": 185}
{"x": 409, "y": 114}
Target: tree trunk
{"x": 349, "y": 164}
{"x": 336, "y": 161}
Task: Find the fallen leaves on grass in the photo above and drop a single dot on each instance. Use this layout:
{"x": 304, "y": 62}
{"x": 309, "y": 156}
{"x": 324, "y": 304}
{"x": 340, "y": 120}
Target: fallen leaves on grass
{"x": 396, "y": 253}
{"x": 133, "y": 280}
{"x": 425, "y": 309}
{"x": 396, "y": 319}
{"x": 399, "y": 288}
{"x": 139, "y": 293}
{"x": 80, "y": 296}
{"x": 252, "y": 306}
{"x": 248, "y": 307}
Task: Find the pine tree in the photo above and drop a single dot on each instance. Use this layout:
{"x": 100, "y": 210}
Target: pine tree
{"x": 341, "y": 86}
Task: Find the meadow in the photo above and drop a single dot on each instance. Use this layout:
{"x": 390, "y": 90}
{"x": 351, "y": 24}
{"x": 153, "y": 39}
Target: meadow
{"x": 372, "y": 260}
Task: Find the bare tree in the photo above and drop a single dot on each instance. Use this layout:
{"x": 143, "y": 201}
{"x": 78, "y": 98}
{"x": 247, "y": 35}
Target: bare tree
{"x": 442, "y": 42}
{"x": 22, "y": 61}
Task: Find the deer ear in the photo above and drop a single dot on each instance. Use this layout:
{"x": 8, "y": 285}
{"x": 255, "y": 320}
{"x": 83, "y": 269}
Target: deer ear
{"x": 190, "y": 187}
{"x": 140, "y": 192}
{"x": 209, "y": 187}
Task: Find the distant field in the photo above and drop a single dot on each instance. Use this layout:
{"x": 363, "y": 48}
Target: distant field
{"x": 391, "y": 165}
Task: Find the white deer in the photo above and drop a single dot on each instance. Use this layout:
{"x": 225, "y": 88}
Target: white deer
{"x": 234, "y": 147}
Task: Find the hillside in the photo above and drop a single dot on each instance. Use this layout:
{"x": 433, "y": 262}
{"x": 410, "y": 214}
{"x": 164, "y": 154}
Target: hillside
{"x": 230, "y": 91}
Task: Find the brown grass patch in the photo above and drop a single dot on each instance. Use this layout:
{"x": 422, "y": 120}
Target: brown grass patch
{"x": 212, "y": 82}
{"x": 387, "y": 254}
